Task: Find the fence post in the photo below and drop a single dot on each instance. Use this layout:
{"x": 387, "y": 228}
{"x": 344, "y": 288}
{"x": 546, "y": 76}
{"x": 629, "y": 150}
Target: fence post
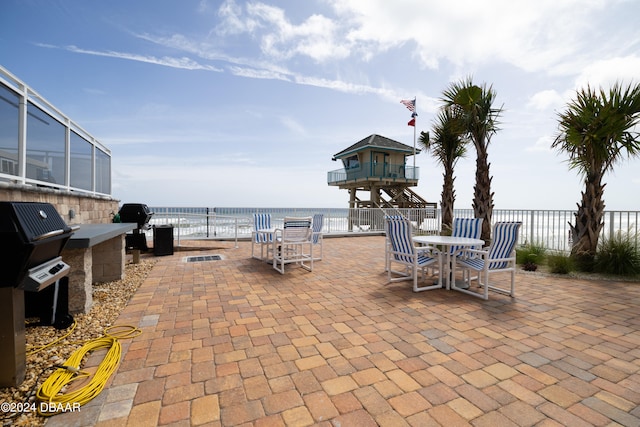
{"x": 611, "y": 225}
{"x": 531, "y": 227}
{"x": 179, "y": 228}
{"x": 236, "y": 232}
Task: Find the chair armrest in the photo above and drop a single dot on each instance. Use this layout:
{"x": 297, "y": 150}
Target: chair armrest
{"x": 430, "y": 249}
{"x": 511, "y": 258}
{"x": 468, "y": 252}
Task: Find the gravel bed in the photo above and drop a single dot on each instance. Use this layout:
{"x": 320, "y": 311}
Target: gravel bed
{"x": 109, "y": 299}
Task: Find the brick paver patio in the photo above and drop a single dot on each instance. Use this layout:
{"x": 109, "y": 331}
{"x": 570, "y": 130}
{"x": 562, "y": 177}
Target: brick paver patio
{"x": 234, "y": 343}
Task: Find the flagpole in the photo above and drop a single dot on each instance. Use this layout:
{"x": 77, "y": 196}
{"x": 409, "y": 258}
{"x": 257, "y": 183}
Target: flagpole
{"x": 414, "y": 140}
{"x": 411, "y": 105}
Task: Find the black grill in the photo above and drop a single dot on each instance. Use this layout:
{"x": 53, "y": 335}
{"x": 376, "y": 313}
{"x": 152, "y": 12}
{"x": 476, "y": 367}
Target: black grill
{"x": 32, "y": 236}
{"x": 140, "y": 214}
{"x": 135, "y": 212}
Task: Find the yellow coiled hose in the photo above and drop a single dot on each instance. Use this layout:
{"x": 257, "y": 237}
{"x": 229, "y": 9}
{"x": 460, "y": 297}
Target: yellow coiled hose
{"x": 51, "y": 391}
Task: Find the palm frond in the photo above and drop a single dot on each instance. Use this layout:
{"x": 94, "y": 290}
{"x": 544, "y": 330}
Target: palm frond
{"x": 598, "y": 128}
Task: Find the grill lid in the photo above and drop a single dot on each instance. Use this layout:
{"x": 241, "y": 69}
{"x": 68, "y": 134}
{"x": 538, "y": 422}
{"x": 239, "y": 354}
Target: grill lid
{"x": 135, "y": 212}
{"x": 31, "y": 235}
{"x": 34, "y": 221}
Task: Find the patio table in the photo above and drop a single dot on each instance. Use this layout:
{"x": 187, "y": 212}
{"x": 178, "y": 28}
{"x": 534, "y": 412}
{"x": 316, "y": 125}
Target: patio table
{"x": 447, "y": 242}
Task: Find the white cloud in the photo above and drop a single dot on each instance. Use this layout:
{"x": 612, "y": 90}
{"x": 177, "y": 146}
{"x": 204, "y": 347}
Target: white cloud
{"x": 233, "y": 21}
{"x": 315, "y": 37}
{"x": 184, "y": 63}
{"x": 606, "y": 72}
{"x": 546, "y": 100}
{"x": 93, "y": 91}
{"x": 279, "y": 38}
{"x": 542, "y": 144}
{"x": 548, "y": 36}
{"x": 293, "y": 125}
{"x": 529, "y": 35}
{"x": 258, "y": 73}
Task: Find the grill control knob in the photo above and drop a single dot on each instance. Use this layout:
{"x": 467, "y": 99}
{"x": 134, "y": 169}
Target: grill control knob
{"x": 55, "y": 268}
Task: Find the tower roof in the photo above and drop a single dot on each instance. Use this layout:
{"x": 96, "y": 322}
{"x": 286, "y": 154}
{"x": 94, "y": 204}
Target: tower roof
{"x": 376, "y": 141}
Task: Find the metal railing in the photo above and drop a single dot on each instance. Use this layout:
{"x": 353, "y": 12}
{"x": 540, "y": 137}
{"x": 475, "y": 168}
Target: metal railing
{"x": 547, "y": 228}
{"x": 550, "y": 228}
{"x": 373, "y": 170}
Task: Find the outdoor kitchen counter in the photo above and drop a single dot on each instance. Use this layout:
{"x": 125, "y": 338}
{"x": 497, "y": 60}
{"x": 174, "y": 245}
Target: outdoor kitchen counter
{"x": 89, "y": 235}
{"x": 96, "y": 253}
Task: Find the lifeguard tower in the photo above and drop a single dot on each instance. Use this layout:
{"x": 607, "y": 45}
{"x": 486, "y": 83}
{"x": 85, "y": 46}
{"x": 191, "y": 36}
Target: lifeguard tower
{"x": 378, "y": 165}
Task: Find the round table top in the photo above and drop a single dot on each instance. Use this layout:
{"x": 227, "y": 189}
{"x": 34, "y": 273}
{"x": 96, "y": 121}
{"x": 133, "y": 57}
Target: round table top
{"x": 448, "y": 240}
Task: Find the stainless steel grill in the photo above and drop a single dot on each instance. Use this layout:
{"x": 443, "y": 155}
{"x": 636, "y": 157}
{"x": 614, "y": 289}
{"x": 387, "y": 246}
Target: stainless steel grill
{"x": 33, "y": 236}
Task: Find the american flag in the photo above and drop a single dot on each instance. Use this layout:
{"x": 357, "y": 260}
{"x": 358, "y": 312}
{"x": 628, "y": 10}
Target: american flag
{"x": 410, "y": 104}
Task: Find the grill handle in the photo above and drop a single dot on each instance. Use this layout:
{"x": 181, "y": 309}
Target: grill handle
{"x": 49, "y": 235}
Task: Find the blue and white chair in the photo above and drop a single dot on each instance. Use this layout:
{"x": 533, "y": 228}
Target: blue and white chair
{"x": 401, "y": 250}
{"x": 289, "y": 244}
{"x": 317, "y": 224}
{"x": 387, "y": 242}
{"x": 262, "y": 235}
{"x": 500, "y": 256}
{"x": 464, "y": 227}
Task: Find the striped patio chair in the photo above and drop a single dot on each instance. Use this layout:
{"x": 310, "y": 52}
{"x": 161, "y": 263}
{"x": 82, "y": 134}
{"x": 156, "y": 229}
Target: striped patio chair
{"x": 317, "y": 224}
{"x": 387, "y": 242}
{"x": 401, "y": 250}
{"x": 466, "y": 227}
{"x": 262, "y": 235}
{"x": 499, "y": 257}
{"x": 289, "y": 244}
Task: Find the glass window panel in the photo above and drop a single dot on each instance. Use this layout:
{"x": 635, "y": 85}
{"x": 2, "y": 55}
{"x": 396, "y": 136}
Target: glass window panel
{"x": 351, "y": 162}
{"x": 9, "y": 125}
{"x": 80, "y": 170}
{"x": 103, "y": 172}
{"x": 45, "y": 147}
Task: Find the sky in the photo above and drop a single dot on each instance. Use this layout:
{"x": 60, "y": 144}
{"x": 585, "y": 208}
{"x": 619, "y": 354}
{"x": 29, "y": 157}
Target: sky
{"x": 244, "y": 103}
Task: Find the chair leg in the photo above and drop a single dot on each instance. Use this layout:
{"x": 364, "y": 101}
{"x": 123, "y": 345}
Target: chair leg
{"x": 404, "y": 275}
{"x": 467, "y": 278}
{"x": 485, "y": 291}
{"x": 513, "y": 283}
{"x": 423, "y": 276}
{"x": 277, "y": 256}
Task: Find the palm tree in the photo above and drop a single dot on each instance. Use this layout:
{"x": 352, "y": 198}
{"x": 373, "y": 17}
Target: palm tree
{"x": 447, "y": 147}
{"x": 597, "y": 131}
{"x": 473, "y": 106}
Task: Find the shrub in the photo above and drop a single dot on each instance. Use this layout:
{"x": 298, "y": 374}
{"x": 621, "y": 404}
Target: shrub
{"x": 560, "y": 263}
{"x": 583, "y": 261}
{"x": 618, "y": 255}
{"x": 530, "y": 256}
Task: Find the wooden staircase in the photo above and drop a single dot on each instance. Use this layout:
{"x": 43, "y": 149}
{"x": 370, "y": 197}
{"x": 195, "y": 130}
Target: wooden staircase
{"x": 404, "y": 198}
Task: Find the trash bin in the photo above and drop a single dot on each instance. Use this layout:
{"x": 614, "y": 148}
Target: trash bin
{"x": 162, "y": 240}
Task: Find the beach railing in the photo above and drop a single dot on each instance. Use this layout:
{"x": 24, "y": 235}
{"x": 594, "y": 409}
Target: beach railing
{"x": 547, "y": 228}
{"x": 550, "y": 228}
